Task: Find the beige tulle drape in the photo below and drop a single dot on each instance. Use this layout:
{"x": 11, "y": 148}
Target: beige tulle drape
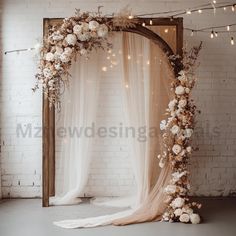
{"x": 146, "y": 75}
{"x": 152, "y": 204}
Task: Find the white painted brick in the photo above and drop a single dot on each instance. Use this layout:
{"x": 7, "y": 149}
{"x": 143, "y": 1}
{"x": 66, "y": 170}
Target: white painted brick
{"x": 212, "y": 167}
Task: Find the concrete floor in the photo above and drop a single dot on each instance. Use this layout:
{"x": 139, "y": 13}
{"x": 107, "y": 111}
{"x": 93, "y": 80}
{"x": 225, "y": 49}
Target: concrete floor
{"x": 27, "y": 218}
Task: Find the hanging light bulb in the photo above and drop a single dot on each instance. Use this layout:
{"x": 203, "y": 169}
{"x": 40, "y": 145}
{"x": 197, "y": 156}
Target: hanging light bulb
{"x": 216, "y": 34}
{"x": 233, "y": 8}
{"x": 212, "y": 34}
{"x": 166, "y": 30}
{"x": 225, "y": 8}
{"x": 232, "y": 41}
{"x": 131, "y": 17}
{"x": 192, "y": 33}
{"x": 188, "y": 12}
{"x": 228, "y": 28}
{"x": 143, "y": 24}
{"x": 214, "y": 2}
{"x": 200, "y": 11}
{"x": 150, "y": 22}
{"x": 129, "y": 57}
{"x": 104, "y": 68}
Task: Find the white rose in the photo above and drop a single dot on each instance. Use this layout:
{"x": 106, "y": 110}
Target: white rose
{"x": 195, "y": 218}
{"x": 177, "y": 202}
{"x": 175, "y": 129}
{"x": 182, "y": 153}
{"x": 85, "y": 36}
{"x": 182, "y": 103}
{"x": 83, "y": 51}
{"x": 184, "y": 218}
{"x": 177, "y": 175}
{"x": 163, "y": 125}
{"x": 179, "y": 90}
{"x": 170, "y": 189}
{"x": 176, "y": 149}
{"x": 93, "y": 25}
{"x": 65, "y": 57}
{"x": 102, "y": 31}
{"x": 187, "y": 210}
{"x": 57, "y": 66}
{"x": 58, "y": 52}
{"x": 77, "y": 29}
{"x": 172, "y": 104}
{"x": 182, "y": 76}
{"x": 50, "y": 56}
{"x": 71, "y": 39}
{"x": 178, "y": 212}
{"x": 47, "y": 73}
{"x": 188, "y": 133}
{"x": 68, "y": 51}
{"x": 189, "y": 149}
{"x": 161, "y": 163}
{"x": 187, "y": 90}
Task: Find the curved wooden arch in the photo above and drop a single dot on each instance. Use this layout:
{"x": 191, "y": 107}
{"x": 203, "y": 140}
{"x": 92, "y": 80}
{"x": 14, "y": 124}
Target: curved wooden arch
{"x": 48, "y": 117}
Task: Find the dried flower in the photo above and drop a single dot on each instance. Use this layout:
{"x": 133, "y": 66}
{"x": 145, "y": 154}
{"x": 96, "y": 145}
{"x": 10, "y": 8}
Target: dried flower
{"x": 176, "y": 149}
{"x": 184, "y": 218}
{"x": 71, "y": 39}
{"x": 179, "y": 90}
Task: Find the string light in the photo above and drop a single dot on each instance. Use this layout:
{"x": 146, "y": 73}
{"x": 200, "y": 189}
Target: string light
{"x": 216, "y": 34}
{"x": 225, "y": 8}
{"x": 129, "y": 57}
{"x": 188, "y": 12}
{"x": 104, "y": 68}
{"x": 200, "y": 11}
{"x": 131, "y": 17}
{"x": 233, "y": 8}
{"x": 232, "y": 41}
{"x": 150, "y": 22}
{"x": 143, "y": 24}
{"x": 166, "y": 30}
{"x": 127, "y": 86}
{"x": 192, "y": 33}
{"x": 214, "y": 2}
{"x": 228, "y": 28}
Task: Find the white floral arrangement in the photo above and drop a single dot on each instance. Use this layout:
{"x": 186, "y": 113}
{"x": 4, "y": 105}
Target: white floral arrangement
{"x": 177, "y": 131}
{"x": 78, "y": 35}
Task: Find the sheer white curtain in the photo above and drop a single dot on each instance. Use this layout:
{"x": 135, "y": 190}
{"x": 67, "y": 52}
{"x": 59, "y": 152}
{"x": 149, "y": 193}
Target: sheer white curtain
{"x": 78, "y": 112}
{"x": 146, "y": 74}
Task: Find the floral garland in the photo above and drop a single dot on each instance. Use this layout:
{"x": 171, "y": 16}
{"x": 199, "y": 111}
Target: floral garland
{"x": 178, "y": 129}
{"x": 87, "y": 31}
{"x": 79, "y": 34}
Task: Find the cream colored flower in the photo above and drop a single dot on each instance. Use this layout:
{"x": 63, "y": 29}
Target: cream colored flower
{"x": 184, "y": 218}
{"x": 102, "y": 31}
{"x": 57, "y": 36}
{"x": 77, "y": 29}
{"x": 172, "y": 104}
{"x": 163, "y": 125}
{"x": 85, "y": 36}
{"x": 188, "y": 133}
{"x": 50, "y": 56}
{"x": 71, "y": 39}
{"x": 65, "y": 57}
{"x": 179, "y": 90}
{"x": 187, "y": 90}
{"x": 47, "y": 73}
{"x": 162, "y": 163}
{"x": 83, "y": 51}
{"x": 170, "y": 189}
{"x": 195, "y": 218}
{"x": 93, "y": 25}
{"x": 177, "y": 202}
{"x": 178, "y": 212}
{"x": 176, "y": 149}
{"x": 182, "y": 103}
{"x": 189, "y": 149}
{"x": 175, "y": 129}
{"x": 68, "y": 51}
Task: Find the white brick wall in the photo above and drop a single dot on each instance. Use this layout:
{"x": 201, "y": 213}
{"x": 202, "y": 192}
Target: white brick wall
{"x": 213, "y": 167}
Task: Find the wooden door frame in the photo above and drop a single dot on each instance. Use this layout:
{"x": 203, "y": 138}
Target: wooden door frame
{"x": 48, "y": 114}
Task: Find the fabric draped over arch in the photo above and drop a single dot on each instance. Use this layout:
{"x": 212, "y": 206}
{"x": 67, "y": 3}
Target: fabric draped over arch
{"x": 146, "y": 76}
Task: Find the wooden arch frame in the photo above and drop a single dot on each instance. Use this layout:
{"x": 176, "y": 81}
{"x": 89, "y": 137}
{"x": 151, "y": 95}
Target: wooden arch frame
{"x": 48, "y": 116}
